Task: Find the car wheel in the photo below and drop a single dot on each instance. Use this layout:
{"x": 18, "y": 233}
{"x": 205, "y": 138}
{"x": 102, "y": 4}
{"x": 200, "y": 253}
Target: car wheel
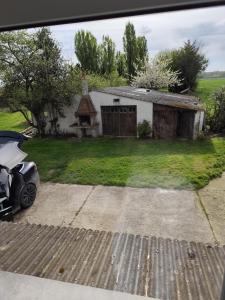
{"x": 28, "y": 195}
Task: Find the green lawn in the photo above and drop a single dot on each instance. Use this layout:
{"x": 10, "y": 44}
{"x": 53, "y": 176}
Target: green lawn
{"x": 129, "y": 162}
{"x": 206, "y": 87}
{"x": 12, "y": 121}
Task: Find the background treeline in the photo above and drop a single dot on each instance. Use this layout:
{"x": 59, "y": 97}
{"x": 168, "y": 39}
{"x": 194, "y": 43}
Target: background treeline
{"x": 210, "y": 75}
{"x": 104, "y": 59}
{"x": 187, "y": 62}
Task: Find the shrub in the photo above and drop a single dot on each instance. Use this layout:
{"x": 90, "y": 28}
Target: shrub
{"x": 144, "y": 129}
{"x": 96, "y": 81}
{"x": 217, "y": 118}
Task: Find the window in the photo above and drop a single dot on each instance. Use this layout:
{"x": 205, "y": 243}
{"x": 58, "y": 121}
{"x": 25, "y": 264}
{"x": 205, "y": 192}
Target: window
{"x": 140, "y": 188}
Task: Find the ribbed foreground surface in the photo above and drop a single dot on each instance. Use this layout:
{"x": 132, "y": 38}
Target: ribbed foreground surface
{"x": 149, "y": 266}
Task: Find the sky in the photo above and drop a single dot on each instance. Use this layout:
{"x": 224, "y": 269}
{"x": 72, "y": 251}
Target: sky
{"x": 163, "y": 31}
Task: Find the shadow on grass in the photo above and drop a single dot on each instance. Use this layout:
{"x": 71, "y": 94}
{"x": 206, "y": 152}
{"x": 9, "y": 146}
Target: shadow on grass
{"x": 114, "y": 146}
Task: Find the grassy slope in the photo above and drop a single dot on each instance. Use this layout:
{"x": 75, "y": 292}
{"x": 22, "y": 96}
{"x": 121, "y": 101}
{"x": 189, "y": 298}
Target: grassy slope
{"x": 173, "y": 164}
{"x": 206, "y": 87}
{"x": 12, "y": 121}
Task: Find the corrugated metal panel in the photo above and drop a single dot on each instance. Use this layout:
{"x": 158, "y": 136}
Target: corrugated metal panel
{"x": 149, "y": 266}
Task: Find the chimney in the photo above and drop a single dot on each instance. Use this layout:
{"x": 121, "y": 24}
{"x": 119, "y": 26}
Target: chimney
{"x": 84, "y": 85}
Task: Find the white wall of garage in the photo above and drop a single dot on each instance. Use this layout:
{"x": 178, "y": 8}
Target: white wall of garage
{"x": 144, "y": 109}
{"x": 144, "y": 112}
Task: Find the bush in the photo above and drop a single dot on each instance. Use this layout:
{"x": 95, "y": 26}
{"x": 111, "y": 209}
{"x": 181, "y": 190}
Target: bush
{"x": 144, "y": 129}
{"x": 217, "y": 118}
{"x": 96, "y": 81}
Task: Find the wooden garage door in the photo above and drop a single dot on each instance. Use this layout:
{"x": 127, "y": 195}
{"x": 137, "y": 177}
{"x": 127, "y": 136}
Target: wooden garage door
{"x": 119, "y": 120}
{"x": 185, "y": 126}
{"x": 164, "y": 122}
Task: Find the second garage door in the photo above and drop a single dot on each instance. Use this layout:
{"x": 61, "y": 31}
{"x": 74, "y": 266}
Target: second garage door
{"x": 119, "y": 120}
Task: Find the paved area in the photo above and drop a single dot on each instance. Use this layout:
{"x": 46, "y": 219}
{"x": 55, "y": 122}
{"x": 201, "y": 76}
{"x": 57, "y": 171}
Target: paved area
{"x": 165, "y": 213}
{"x": 23, "y": 287}
{"x": 213, "y": 201}
{"x": 56, "y": 204}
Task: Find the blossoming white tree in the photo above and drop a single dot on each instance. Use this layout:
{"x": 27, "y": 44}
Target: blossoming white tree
{"x": 156, "y": 75}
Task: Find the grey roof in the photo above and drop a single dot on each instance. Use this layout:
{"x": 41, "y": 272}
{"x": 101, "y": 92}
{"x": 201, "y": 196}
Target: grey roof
{"x": 163, "y": 98}
{"x": 141, "y": 265}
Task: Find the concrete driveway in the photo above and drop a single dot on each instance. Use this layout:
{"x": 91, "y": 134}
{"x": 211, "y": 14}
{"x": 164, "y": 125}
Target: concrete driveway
{"x": 166, "y": 213}
{"x": 23, "y": 287}
{"x": 212, "y": 198}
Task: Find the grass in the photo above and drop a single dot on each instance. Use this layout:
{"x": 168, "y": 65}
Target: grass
{"x": 206, "y": 87}
{"x": 129, "y": 162}
{"x": 12, "y": 121}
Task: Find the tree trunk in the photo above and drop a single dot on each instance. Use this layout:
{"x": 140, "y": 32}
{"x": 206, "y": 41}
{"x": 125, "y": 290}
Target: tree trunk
{"x": 26, "y": 117}
{"x": 41, "y": 124}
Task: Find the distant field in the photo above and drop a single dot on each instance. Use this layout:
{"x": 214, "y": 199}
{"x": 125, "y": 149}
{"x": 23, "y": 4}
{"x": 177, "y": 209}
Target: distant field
{"x": 206, "y": 87}
{"x": 12, "y": 121}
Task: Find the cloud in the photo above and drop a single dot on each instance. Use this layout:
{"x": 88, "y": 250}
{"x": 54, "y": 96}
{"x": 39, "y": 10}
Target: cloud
{"x": 145, "y": 30}
{"x": 203, "y": 30}
{"x": 162, "y": 30}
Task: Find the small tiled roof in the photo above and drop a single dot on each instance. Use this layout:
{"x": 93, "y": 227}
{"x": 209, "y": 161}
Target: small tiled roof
{"x": 86, "y": 106}
{"x": 163, "y": 98}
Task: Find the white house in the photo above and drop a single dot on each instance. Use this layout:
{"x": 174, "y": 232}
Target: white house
{"x": 116, "y": 111}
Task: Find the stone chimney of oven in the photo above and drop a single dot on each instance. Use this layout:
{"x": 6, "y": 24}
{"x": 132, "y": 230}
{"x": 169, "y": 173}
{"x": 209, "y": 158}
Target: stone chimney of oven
{"x": 84, "y": 84}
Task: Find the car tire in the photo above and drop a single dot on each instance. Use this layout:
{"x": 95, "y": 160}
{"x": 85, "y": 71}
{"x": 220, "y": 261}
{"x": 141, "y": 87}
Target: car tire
{"x": 28, "y": 195}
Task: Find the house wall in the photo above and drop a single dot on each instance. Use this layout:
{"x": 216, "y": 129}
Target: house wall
{"x": 144, "y": 112}
{"x": 144, "y": 109}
